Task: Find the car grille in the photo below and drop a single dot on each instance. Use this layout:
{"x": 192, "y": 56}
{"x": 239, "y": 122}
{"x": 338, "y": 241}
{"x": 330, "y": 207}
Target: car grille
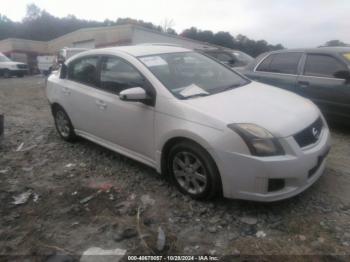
{"x": 20, "y": 66}
{"x": 309, "y": 135}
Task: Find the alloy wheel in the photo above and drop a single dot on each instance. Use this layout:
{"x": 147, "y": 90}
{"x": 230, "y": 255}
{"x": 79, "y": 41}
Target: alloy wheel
{"x": 62, "y": 123}
{"x": 189, "y": 172}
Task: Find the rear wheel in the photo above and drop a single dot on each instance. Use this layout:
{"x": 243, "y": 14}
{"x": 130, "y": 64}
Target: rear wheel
{"x": 193, "y": 171}
{"x": 63, "y": 125}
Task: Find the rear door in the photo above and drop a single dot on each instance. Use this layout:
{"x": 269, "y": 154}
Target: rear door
{"x": 280, "y": 70}
{"x": 79, "y": 90}
{"x": 320, "y": 81}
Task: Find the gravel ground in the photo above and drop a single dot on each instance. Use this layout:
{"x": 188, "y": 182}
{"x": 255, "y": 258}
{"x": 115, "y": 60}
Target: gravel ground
{"x": 81, "y": 195}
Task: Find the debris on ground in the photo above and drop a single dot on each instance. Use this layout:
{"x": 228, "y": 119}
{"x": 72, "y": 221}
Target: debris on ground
{"x": 147, "y": 200}
{"x": 125, "y": 234}
{"x": 22, "y": 198}
{"x": 104, "y": 186}
{"x": 96, "y": 254}
{"x": 70, "y": 165}
{"x": 35, "y": 197}
{"x": 260, "y": 234}
{"x": 161, "y": 239}
{"x": 87, "y": 199}
{"x": 19, "y": 148}
{"x": 4, "y": 171}
{"x": 249, "y": 220}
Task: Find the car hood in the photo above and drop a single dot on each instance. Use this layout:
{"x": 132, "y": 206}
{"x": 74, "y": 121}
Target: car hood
{"x": 281, "y": 112}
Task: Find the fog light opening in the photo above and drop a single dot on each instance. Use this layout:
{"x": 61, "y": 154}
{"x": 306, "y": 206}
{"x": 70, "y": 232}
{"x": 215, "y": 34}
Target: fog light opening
{"x": 276, "y": 184}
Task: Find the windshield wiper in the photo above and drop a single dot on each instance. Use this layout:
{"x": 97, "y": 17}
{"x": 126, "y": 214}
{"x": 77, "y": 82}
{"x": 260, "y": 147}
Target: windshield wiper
{"x": 195, "y": 95}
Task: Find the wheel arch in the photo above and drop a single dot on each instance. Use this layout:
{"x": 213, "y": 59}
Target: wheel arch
{"x": 174, "y": 140}
{"x": 171, "y": 141}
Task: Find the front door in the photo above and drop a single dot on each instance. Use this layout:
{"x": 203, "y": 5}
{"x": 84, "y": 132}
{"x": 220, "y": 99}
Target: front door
{"x": 127, "y": 124}
{"x": 321, "y": 83}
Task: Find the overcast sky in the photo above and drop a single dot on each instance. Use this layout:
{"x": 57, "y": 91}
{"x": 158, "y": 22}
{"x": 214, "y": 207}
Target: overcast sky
{"x": 293, "y": 23}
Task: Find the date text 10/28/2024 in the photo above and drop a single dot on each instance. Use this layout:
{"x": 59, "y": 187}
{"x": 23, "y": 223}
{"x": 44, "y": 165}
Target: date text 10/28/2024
{"x": 173, "y": 258}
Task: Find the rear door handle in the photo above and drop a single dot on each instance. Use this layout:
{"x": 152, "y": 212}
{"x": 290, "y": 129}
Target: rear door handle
{"x": 101, "y": 104}
{"x": 303, "y": 83}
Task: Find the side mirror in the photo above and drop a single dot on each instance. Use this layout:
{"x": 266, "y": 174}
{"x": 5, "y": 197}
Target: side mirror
{"x": 64, "y": 71}
{"x": 133, "y": 94}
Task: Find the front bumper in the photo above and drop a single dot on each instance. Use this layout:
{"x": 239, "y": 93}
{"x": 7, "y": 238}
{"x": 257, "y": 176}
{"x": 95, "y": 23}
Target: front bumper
{"x": 247, "y": 177}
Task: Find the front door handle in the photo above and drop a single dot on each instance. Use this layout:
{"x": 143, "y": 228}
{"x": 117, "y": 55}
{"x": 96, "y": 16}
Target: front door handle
{"x": 303, "y": 83}
{"x": 101, "y": 104}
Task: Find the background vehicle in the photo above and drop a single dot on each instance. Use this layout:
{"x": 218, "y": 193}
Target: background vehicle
{"x": 187, "y": 115}
{"x": 68, "y": 52}
{"x": 46, "y": 63}
{"x": 321, "y": 74}
{"x": 10, "y": 68}
{"x": 231, "y": 58}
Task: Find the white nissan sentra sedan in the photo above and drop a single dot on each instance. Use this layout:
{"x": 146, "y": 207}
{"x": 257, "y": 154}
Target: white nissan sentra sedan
{"x": 208, "y": 128}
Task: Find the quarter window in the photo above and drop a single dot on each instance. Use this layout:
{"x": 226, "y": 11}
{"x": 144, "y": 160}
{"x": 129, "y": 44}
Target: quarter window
{"x": 283, "y": 63}
{"x": 323, "y": 66}
{"x": 84, "y": 71}
{"x": 117, "y": 75}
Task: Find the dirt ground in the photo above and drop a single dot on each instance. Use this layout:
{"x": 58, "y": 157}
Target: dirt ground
{"x": 80, "y": 195}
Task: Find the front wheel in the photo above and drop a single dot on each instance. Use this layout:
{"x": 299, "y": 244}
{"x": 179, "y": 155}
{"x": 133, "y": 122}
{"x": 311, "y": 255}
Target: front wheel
{"x": 63, "y": 125}
{"x": 193, "y": 171}
{"x": 7, "y": 73}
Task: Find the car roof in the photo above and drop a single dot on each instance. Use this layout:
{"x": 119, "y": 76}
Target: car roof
{"x": 144, "y": 50}
{"x": 328, "y": 49}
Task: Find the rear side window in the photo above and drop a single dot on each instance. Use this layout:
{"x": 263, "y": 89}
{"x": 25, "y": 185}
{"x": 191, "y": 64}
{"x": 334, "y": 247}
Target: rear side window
{"x": 117, "y": 75}
{"x": 284, "y": 63}
{"x": 323, "y": 66}
{"x": 84, "y": 70}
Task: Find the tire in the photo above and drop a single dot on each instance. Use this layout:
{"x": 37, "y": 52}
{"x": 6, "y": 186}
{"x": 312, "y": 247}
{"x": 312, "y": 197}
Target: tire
{"x": 193, "y": 171}
{"x": 7, "y": 73}
{"x": 64, "y": 125}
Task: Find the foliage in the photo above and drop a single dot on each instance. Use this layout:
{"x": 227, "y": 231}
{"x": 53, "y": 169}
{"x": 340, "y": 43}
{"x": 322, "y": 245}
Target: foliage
{"x": 335, "y": 43}
{"x": 40, "y": 25}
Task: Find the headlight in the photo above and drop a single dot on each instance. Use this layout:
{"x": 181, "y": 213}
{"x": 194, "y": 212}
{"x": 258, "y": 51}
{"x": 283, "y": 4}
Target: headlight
{"x": 13, "y": 66}
{"x": 259, "y": 141}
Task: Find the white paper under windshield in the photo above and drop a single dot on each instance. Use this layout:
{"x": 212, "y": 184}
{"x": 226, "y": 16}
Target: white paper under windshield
{"x": 192, "y": 90}
{"x": 151, "y": 61}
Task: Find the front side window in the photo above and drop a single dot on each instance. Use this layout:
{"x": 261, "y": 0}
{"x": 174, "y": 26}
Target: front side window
{"x": 323, "y": 66}
{"x": 283, "y": 63}
{"x": 191, "y": 74}
{"x": 117, "y": 75}
{"x": 84, "y": 70}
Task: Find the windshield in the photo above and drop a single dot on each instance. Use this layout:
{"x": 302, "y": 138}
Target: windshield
{"x": 191, "y": 74}
{"x": 4, "y": 58}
